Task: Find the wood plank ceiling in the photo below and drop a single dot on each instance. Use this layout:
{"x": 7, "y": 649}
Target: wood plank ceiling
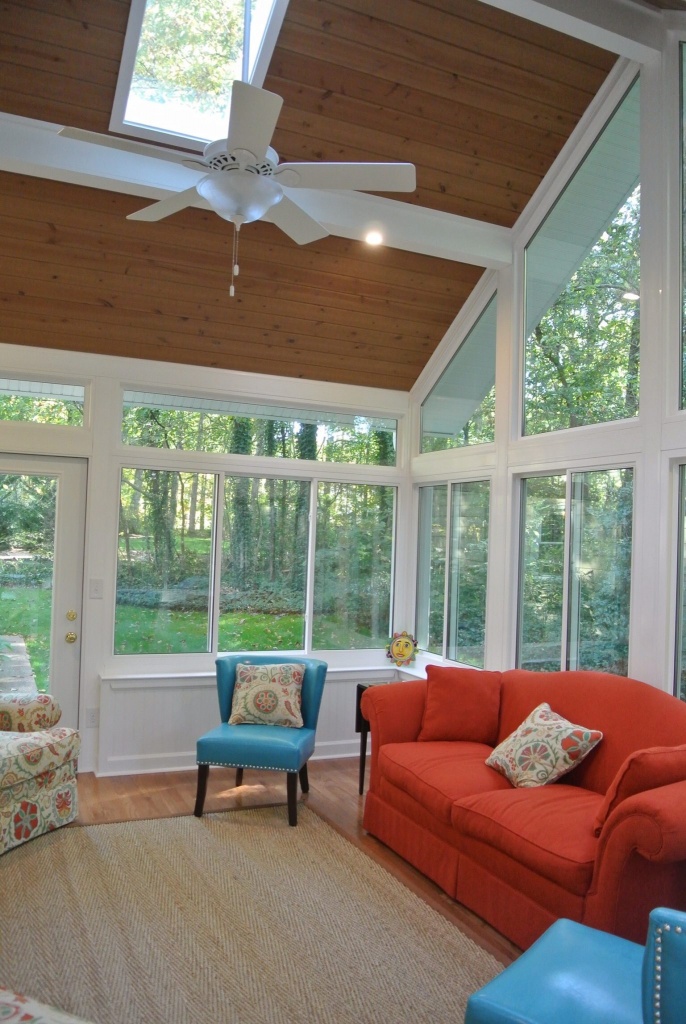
{"x": 480, "y": 100}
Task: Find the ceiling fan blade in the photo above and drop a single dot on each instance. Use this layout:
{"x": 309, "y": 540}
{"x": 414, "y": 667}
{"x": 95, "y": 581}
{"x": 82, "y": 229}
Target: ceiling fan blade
{"x": 390, "y": 177}
{"x": 252, "y": 119}
{"x": 165, "y": 207}
{"x": 127, "y": 145}
{"x": 294, "y": 222}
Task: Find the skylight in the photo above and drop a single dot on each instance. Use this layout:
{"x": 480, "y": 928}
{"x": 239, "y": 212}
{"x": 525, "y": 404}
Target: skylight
{"x": 180, "y": 59}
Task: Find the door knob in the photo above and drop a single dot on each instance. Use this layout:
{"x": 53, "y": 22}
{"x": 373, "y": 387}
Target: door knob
{"x": 71, "y": 638}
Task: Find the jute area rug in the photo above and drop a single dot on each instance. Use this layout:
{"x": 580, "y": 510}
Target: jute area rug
{"x": 235, "y": 917}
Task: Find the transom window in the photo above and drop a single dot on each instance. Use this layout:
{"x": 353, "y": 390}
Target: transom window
{"x": 239, "y": 428}
{"x": 35, "y": 401}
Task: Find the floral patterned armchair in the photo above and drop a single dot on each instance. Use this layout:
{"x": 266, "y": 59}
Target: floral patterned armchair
{"x": 38, "y": 765}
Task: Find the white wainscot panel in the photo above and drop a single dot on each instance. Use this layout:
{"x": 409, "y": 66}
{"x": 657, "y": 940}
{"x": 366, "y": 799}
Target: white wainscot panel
{"x": 151, "y": 723}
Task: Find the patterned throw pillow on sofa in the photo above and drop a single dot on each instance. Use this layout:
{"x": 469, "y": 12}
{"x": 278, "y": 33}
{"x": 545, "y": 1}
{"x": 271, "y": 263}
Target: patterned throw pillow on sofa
{"x": 542, "y": 749}
{"x": 268, "y": 695}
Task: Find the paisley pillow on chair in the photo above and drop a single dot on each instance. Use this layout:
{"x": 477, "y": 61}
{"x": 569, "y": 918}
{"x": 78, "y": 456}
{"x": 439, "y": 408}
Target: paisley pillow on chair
{"x": 268, "y": 695}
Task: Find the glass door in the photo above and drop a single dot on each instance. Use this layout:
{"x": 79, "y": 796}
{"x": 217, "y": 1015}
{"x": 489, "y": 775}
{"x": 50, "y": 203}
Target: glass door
{"x": 42, "y": 516}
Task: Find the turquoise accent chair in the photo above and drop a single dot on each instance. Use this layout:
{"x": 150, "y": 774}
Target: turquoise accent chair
{"x": 279, "y": 748}
{"x": 579, "y": 975}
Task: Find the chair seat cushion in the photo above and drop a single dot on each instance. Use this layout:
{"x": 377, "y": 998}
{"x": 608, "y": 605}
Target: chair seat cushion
{"x": 256, "y": 746}
{"x": 25, "y": 755}
{"x": 572, "y": 974}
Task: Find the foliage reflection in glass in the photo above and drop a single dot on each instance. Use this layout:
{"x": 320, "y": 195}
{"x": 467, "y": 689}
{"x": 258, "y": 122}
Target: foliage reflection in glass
{"x": 460, "y": 408}
{"x": 541, "y": 578}
{"x": 600, "y": 571}
{"x": 28, "y": 506}
{"x": 431, "y": 564}
{"x": 204, "y": 425}
{"x": 164, "y": 562}
{"x": 592, "y": 615}
{"x": 353, "y": 566}
{"x": 582, "y": 289}
{"x": 264, "y": 564}
{"x": 40, "y": 402}
{"x": 468, "y": 572}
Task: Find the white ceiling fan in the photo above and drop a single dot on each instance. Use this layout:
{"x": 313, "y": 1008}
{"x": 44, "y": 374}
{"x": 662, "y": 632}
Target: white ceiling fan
{"x": 244, "y": 180}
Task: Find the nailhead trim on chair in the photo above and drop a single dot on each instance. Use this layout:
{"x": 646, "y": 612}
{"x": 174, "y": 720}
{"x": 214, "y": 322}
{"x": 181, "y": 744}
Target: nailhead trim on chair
{"x": 232, "y": 764}
{"x": 657, "y": 990}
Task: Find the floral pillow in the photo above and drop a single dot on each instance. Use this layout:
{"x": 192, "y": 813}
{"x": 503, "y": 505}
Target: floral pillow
{"x": 268, "y": 695}
{"x": 542, "y": 749}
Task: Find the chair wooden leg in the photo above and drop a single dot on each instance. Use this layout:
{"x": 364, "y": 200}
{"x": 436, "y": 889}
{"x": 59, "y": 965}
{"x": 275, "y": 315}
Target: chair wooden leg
{"x": 304, "y": 781}
{"x": 203, "y": 775}
{"x": 239, "y": 776}
{"x": 292, "y": 792}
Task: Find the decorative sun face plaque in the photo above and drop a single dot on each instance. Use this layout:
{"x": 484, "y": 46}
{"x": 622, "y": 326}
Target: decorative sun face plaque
{"x": 401, "y": 648}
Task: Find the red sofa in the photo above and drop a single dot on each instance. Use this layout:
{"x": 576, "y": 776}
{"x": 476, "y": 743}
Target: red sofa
{"x": 521, "y": 858}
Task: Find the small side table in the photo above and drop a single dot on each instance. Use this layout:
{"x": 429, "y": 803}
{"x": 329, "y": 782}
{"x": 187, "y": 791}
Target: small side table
{"x": 361, "y": 726}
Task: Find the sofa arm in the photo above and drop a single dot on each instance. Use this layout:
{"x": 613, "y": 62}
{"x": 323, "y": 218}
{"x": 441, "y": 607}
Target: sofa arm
{"x": 640, "y": 862}
{"x": 652, "y": 822}
{"x": 394, "y": 712}
{"x": 28, "y": 712}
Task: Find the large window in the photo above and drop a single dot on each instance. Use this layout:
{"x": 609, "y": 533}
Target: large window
{"x": 431, "y": 564}
{"x": 582, "y": 289}
{"x": 575, "y": 571}
{"x": 352, "y": 568}
{"x": 264, "y": 564}
{"x": 460, "y": 408}
{"x": 462, "y": 515}
{"x": 207, "y": 425}
{"x": 468, "y": 572}
{"x": 170, "y": 600}
{"x": 164, "y": 568}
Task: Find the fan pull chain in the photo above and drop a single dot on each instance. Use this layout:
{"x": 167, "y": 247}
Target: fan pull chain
{"x": 234, "y": 259}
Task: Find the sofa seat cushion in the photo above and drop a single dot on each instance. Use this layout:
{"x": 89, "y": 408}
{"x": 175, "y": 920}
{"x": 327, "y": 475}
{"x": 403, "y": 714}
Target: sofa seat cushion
{"x": 435, "y": 774}
{"x": 25, "y": 755}
{"x": 549, "y": 829}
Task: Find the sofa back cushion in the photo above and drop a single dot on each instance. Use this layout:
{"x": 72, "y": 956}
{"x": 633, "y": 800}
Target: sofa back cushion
{"x": 461, "y": 704}
{"x": 644, "y": 769}
{"x": 631, "y": 715}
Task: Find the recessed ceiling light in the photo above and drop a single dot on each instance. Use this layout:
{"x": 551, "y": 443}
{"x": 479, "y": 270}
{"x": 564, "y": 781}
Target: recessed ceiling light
{"x": 373, "y": 238}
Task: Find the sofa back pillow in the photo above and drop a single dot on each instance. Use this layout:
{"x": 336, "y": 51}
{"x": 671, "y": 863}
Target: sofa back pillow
{"x": 542, "y": 749}
{"x": 644, "y": 769}
{"x": 461, "y": 704}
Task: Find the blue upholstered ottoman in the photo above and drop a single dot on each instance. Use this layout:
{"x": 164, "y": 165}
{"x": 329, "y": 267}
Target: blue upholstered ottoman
{"x": 571, "y": 975}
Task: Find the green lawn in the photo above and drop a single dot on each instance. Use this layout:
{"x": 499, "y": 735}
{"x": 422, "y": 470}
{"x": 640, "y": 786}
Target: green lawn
{"x": 25, "y": 611}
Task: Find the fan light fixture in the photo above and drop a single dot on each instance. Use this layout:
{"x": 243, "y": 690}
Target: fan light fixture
{"x": 240, "y": 196}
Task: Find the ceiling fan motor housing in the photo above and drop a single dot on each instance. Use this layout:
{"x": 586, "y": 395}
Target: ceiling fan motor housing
{"x": 219, "y": 159}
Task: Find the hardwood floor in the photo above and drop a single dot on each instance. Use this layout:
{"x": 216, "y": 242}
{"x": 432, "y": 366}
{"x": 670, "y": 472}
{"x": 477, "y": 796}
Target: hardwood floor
{"x": 333, "y": 795}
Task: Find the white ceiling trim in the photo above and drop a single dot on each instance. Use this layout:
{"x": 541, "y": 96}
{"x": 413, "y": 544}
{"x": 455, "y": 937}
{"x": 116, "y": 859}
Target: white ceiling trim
{"x": 36, "y": 148}
{"x": 624, "y": 27}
